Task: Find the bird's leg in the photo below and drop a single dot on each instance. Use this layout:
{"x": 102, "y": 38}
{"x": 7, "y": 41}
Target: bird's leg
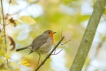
{"x": 39, "y": 59}
{"x": 57, "y": 52}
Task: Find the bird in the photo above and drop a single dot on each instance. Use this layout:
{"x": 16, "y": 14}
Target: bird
{"x": 41, "y": 44}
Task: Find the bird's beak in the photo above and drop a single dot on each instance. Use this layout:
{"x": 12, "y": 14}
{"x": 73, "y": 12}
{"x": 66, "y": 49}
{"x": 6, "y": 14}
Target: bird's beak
{"x": 54, "y": 32}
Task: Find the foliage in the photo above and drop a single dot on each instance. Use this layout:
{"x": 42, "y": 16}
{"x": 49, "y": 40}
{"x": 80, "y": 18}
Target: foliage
{"x": 26, "y": 19}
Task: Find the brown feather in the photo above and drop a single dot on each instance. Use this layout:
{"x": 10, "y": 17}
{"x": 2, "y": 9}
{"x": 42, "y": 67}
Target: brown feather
{"x": 37, "y": 44}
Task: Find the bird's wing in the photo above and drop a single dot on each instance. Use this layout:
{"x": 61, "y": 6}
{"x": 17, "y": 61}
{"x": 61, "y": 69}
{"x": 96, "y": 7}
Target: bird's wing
{"x": 39, "y": 41}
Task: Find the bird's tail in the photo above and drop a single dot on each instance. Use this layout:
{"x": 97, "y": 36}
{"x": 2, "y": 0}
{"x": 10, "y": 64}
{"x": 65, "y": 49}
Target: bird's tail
{"x": 23, "y": 48}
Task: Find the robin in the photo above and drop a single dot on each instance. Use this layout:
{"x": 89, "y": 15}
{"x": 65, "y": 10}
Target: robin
{"x": 41, "y": 44}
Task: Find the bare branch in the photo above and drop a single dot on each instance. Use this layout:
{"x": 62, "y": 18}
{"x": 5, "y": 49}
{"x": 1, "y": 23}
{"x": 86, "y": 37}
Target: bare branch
{"x": 4, "y": 29}
{"x": 66, "y": 42}
{"x": 3, "y": 24}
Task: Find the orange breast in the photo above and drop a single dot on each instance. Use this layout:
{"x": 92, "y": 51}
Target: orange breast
{"x": 51, "y": 35}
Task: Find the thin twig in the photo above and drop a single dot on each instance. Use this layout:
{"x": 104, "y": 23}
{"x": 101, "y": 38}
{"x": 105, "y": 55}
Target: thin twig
{"x": 57, "y": 52}
{"x": 3, "y": 24}
{"x": 4, "y": 28}
{"x": 49, "y": 54}
{"x": 66, "y": 42}
{"x": 62, "y": 33}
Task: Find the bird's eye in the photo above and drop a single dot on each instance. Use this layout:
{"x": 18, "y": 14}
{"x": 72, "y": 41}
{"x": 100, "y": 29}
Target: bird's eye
{"x": 49, "y": 33}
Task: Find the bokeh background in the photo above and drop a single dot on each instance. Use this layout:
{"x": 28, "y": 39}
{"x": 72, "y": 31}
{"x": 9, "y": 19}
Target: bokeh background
{"x": 71, "y": 16}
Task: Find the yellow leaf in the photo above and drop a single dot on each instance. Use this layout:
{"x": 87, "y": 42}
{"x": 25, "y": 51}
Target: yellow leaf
{"x": 25, "y": 63}
{"x": 28, "y": 20}
{"x": 13, "y": 2}
{"x": 13, "y": 22}
{"x": 7, "y": 57}
{"x": 17, "y": 22}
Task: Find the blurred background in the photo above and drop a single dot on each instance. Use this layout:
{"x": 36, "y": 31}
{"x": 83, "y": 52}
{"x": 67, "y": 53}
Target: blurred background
{"x": 71, "y": 16}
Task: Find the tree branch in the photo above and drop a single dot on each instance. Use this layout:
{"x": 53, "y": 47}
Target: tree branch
{"x": 4, "y": 29}
{"x": 96, "y": 52}
{"x": 88, "y": 37}
{"x": 49, "y": 54}
{"x": 3, "y": 23}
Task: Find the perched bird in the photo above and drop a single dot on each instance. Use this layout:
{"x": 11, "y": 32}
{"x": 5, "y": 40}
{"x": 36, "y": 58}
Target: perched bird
{"x": 41, "y": 44}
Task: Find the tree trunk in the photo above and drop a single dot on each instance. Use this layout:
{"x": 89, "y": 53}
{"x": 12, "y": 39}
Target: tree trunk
{"x": 88, "y": 37}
